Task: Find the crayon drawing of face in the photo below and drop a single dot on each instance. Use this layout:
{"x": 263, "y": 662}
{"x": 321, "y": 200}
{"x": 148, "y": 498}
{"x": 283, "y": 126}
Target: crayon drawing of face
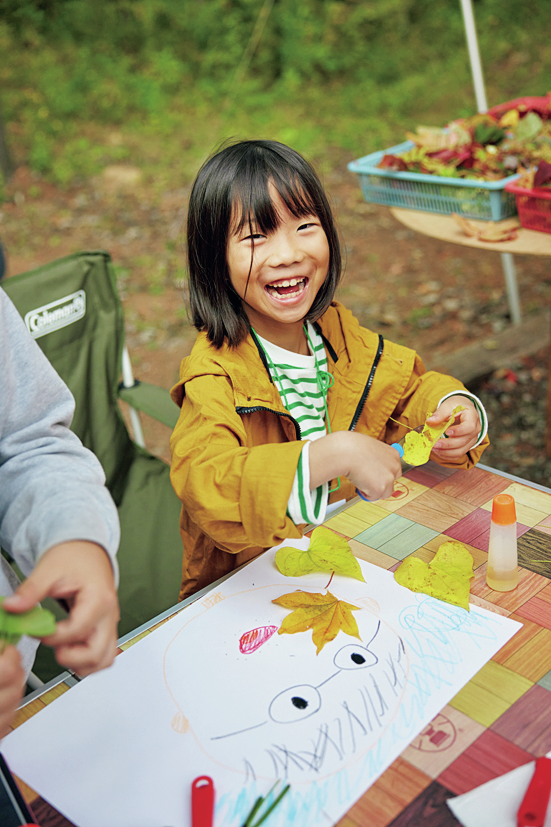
{"x": 266, "y": 705}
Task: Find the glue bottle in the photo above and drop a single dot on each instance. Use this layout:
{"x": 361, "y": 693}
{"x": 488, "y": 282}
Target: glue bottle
{"x": 502, "y": 573}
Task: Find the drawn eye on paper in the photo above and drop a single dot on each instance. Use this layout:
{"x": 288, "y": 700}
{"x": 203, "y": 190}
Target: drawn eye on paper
{"x": 266, "y": 705}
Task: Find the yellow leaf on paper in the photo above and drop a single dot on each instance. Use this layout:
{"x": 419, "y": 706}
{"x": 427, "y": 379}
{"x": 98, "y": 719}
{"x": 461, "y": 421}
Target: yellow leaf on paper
{"x": 446, "y": 577}
{"x": 326, "y": 552}
{"x": 417, "y": 447}
{"x": 323, "y": 613}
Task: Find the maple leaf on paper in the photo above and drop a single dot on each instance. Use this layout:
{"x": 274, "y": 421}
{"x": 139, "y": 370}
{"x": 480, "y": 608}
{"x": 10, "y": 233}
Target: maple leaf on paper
{"x": 417, "y": 447}
{"x": 325, "y": 614}
{"x": 446, "y": 577}
{"x": 326, "y": 552}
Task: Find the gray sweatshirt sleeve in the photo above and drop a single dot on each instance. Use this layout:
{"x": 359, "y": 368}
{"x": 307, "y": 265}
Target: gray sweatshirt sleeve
{"x": 51, "y": 487}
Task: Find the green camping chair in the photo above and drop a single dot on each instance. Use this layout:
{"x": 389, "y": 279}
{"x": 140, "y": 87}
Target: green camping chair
{"x": 72, "y": 308}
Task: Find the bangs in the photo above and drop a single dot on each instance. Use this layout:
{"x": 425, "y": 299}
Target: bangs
{"x": 252, "y": 204}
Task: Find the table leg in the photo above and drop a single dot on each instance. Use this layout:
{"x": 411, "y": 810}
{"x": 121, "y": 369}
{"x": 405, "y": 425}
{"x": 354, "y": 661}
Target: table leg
{"x": 511, "y": 285}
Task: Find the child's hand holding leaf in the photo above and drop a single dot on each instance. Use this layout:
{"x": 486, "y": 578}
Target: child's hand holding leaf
{"x": 419, "y": 446}
{"x": 462, "y": 433}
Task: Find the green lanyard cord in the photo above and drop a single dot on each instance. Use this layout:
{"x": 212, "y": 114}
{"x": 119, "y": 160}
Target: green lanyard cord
{"x": 273, "y": 371}
{"x": 325, "y": 380}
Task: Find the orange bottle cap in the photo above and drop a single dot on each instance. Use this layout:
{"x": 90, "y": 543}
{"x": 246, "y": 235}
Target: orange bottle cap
{"x": 503, "y": 510}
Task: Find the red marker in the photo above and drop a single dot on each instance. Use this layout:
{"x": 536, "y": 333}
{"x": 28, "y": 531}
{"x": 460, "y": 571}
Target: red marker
{"x": 202, "y": 801}
{"x": 534, "y": 804}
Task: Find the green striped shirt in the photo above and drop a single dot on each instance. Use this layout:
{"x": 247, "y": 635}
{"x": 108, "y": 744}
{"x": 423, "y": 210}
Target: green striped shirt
{"x": 295, "y": 377}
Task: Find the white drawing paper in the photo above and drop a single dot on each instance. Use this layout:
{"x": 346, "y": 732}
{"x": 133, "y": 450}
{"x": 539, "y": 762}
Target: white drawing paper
{"x": 217, "y": 691}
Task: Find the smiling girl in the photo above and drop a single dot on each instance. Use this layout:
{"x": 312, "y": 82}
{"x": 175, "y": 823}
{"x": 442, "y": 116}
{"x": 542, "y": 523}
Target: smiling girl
{"x": 286, "y": 402}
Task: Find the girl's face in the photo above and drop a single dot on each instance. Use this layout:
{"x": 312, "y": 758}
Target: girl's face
{"x": 289, "y": 265}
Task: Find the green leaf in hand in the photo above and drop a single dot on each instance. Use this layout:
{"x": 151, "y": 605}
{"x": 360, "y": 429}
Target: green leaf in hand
{"x": 326, "y": 552}
{"x": 37, "y": 622}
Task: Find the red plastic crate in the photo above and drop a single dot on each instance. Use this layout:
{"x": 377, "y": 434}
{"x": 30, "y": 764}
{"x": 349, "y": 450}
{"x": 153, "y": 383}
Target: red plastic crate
{"x": 533, "y": 206}
{"x": 541, "y": 105}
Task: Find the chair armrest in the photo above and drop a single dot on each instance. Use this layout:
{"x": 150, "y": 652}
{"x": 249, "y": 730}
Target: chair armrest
{"x": 152, "y": 400}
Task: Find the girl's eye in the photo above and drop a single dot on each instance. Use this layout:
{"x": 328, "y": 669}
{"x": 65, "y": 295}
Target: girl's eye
{"x": 308, "y": 225}
{"x": 254, "y": 237}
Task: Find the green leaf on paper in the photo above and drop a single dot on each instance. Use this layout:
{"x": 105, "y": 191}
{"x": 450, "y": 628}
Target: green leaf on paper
{"x": 325, "y": 614}
{"x": 37, "y": 622}
{"x": 446, "y": 577}
{"x": 326, "y": 552}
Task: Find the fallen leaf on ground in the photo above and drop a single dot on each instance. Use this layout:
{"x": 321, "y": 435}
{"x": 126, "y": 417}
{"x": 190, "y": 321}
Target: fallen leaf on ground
{"x": 490, "y": 232}
{"x": 37, "y": 622}
{"x": 417, "y": 447}
{"x": 326, "y": 552}
{"x": 323, "y": 613}
{"x": 446, "y": 577}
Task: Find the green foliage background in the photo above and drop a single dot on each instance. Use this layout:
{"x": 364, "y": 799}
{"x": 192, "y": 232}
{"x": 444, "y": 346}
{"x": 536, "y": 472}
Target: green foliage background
{"x": 351, "y": 74}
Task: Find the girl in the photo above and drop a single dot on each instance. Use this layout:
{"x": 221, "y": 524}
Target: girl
{"x": 285, "y": 398}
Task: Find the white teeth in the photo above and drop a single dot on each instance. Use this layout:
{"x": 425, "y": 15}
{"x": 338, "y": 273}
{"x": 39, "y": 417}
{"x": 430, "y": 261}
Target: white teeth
{"x": 287, "y": 283}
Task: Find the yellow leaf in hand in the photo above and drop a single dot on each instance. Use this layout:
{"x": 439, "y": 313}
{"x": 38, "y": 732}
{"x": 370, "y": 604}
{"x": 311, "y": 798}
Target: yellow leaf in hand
{"x": 326, "y": 552}
{"x": 446, "y": 577}
{"x": 417, "y": 447}
{"x": 323, "y": 613}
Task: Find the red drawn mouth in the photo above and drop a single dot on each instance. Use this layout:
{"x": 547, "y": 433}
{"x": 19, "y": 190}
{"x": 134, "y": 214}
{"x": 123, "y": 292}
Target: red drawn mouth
{"x": 253, "y": 640}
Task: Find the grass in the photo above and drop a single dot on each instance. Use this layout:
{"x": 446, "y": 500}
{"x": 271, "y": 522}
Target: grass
{"x": 73, "y": 111}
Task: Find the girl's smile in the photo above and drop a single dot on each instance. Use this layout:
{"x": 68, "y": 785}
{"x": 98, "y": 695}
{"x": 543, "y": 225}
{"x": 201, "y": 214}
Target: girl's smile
{"x": 287, "y": 288}
{"x": 278, "y": 273}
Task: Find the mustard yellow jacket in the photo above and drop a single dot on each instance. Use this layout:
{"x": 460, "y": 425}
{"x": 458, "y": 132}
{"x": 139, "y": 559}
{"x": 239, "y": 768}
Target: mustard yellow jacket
{"x": 235, "y": 448}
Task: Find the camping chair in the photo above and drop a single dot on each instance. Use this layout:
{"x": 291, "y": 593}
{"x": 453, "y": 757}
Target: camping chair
{"x": 72, "y": 308}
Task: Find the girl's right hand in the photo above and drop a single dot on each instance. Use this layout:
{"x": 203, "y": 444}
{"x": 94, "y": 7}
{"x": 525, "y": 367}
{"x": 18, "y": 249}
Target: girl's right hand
{"x": 375, "y": 467}
{"x": 370, "y": 465}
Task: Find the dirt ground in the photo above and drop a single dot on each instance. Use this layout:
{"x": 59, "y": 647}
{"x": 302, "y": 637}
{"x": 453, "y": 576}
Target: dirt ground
{"x": 433, "y": 296}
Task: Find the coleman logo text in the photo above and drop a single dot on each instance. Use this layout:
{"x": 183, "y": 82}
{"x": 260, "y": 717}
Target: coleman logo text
{"x": 57, "y": 314}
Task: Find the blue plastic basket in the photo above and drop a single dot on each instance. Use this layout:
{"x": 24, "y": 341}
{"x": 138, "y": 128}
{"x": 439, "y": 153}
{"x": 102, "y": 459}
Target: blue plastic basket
{"x": 485, "y": 200}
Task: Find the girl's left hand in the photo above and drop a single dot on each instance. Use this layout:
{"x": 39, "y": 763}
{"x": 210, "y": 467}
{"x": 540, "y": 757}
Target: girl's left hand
{"x": 462, "y": 435}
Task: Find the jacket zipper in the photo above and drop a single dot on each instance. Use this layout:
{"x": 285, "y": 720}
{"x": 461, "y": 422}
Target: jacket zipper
{"x": 257, "y": 408}
{"x": 368, "y": 384}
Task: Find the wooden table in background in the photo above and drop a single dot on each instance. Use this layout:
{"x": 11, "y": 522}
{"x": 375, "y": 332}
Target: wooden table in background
{"x": 502, "y": 717}
{"x": 445, "y": 228}
{"x": 528, "y": 242}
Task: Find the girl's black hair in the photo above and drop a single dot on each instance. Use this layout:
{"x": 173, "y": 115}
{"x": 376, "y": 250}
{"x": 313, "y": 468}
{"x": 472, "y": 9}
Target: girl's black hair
{"x": 234, "y": 183}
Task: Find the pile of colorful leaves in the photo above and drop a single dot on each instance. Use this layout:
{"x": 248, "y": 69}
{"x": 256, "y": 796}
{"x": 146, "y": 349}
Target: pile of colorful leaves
{"x": 491, "y": 146}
